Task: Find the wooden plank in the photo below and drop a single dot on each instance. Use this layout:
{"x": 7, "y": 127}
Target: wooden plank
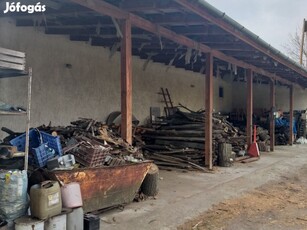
{"x": 170, "y": 138}
{"x": 12, "y": 59}
{"x": 291, "y": 116}
{"x": 239, "y": 159}
{"x": 12, "y": 52}
{"x": 272, "y": 117}
{"x": 252, "y": 159}
{"x": 8, "y": 65}
{"x": 12, "y": 113}
{"x": 126, "y": 82}
{"x": 181, "y": 144}
{"x": 209, "y": 110}
{"x": 249, "y": 107}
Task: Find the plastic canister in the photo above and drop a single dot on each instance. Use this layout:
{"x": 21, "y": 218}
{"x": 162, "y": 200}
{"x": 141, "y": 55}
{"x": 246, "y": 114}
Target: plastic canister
{"x": 28, "y": 223}
{"x": 56, "y": 223}
{"x": 45, "y": 200}
{"x": 75, "y": 219}
{"x": 71, "y": 195}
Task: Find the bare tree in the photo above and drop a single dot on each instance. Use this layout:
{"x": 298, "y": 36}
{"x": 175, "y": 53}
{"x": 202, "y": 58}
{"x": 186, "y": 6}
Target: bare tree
{"x": 293, "y": 47}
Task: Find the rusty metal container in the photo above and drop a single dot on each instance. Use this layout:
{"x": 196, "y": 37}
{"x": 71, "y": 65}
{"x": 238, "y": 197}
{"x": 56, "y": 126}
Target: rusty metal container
{"x": 106, "y": 186}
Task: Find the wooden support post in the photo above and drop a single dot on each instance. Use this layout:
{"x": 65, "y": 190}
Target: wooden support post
{"x": 272, "y": 117}
{"x": 126, "y": 82}
{"x": 249, "y": 107}
{"x": 209, "y": 110}
{"x": 291, "y": 117}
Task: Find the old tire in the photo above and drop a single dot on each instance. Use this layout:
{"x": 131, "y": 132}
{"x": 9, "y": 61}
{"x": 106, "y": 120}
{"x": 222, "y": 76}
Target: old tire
{"x": 150, "y": 184}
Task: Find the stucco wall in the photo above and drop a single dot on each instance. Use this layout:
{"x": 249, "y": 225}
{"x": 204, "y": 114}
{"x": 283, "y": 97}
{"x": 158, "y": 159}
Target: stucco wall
{"x": 91, "y": 87}
{"x": 261, "y": 97}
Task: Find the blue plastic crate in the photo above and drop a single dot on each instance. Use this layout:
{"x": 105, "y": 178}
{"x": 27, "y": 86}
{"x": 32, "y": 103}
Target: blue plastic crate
{"x": 36, "y": 138}
{"x": 42, "y": 154}
{"x": 20, "y": 141}
{"x": 52, "y": 142}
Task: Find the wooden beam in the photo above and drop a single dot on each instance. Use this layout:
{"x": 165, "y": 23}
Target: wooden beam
{"x": 200, "y": 11}
{"x": 272, "y": 117}
{"x": 209, "y": 110}
{"x": 143, "y": 6}
{"x": 249, "y": 107}
{"x": 126, "y": 82}
{"x": 291, "y": 116}
{"x": 112, "y": 11}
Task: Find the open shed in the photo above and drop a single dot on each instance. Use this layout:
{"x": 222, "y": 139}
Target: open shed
{"x": 187, "y": 46}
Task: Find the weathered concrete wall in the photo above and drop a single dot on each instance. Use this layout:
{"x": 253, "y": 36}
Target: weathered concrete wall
{"x": 91, "y": 87}
{"x": 261, "y": 97}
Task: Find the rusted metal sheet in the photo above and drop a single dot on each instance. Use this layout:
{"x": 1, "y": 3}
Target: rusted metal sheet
{"x": 107, "y": 186}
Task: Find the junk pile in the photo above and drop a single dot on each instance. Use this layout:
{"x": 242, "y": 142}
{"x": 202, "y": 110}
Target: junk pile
{"x": 263, "y": 139}
{"x": 86, "y": 142}
{"x": 179, "y": 139}
{"x": 282, "y": 131}
{"x": 65, "y": 162}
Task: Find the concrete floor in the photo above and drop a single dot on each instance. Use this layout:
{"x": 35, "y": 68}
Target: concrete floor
{"x": 184, "y": 196}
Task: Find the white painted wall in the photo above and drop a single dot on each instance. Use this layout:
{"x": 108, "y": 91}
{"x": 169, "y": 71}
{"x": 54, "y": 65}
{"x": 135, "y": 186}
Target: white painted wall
{"x": 91, "y": 88}
{"x": 261, "y": 97}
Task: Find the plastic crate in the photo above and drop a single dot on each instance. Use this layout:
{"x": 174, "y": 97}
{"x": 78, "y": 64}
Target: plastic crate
{"x": 42, "y": 154}
{"x": 36, "y": 139}
{"x": 20, "y": 141}
{"x": 53, "y": 142}
{"x": 90, "y": 156}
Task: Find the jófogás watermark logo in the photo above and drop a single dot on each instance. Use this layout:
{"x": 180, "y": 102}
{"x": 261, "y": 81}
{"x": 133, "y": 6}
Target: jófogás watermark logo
{"x": 19, "y": 7}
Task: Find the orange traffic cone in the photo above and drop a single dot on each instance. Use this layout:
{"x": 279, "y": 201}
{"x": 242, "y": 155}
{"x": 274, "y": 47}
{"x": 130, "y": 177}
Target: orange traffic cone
{"x": 253, "y": 149}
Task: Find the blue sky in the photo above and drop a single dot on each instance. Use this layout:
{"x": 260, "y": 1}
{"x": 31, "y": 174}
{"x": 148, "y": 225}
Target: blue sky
{"x": 272, "y": 20}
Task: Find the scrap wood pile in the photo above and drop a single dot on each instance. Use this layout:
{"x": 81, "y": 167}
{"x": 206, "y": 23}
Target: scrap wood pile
{"x": 179, "y": 140}
{"x": 95, "y": 144}
{"x": 86, "y": 142}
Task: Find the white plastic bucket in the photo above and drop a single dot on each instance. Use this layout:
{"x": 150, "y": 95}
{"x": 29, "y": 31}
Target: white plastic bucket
{"x": 75, "y": 219}
{"x": 71, "y": 195}
{"x": 56, "y": 222}
{"x": 28, "y": 223}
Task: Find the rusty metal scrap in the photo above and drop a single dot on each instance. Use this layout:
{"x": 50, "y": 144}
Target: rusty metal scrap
{"x": 95, "y": 144}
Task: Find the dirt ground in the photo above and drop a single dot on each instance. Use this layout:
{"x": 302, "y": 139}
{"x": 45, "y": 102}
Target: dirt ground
{"x": 278, "y": 205}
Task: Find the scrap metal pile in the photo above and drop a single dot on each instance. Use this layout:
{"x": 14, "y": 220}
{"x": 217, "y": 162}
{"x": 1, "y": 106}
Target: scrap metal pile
{"x": 179, "y": 140}
{"x": 95, "y": 144}
{"x": 86, "y": 142}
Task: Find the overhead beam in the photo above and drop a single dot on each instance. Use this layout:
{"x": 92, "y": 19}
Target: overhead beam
{"x": 209, "y": 110}
{"x": 239, "y": 34}
{"x": 126, "y": 82}
{"x": 112, "y": 11}
{"x": 143, "y": 6}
